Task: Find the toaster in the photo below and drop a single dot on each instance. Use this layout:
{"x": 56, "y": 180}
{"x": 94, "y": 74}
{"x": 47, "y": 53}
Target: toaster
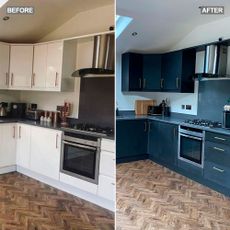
{"x": 33, "y": 114}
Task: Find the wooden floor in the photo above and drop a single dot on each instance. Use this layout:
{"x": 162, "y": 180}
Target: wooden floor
{"x": 28, "y": 204}
{"x": 150, "y": 196}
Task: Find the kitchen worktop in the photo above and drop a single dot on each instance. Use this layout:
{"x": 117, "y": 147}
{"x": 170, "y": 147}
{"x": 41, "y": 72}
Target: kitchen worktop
{"x": 172, "y": 120}
{"x": 57, "y": 126}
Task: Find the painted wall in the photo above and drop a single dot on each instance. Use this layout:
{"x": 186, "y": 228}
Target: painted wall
{"x": 203, "y": 34}
{"x": 87, "y": 22}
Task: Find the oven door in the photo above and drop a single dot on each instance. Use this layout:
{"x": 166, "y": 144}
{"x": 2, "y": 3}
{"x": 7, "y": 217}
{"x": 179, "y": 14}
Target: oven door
{"x": 81, "y": 161}
{"x": 191, "y": 149}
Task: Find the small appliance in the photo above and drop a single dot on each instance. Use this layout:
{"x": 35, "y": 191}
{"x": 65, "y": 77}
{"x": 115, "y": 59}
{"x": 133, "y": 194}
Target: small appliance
{"x": 3, "y": 109}
{"x": 154, "y": 110}
{"x": 226, "y": 119}
{"x": 18, "y": 110}
{"x": 34, "y": 114}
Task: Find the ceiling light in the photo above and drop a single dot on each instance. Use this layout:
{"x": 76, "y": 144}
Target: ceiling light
{"x": 6, "y": 18}
{"x": 2, "y": 2}
{"x": 134, "y": 34}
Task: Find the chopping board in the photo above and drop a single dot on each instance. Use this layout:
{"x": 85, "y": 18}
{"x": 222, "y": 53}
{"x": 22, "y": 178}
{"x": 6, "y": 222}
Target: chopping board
{"x": 141, "y": 106}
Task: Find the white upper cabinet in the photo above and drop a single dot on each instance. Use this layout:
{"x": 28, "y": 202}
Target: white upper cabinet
{"x": 53, "y": 65}
{"x": 21, "y": 61}
{"x": 4, "y": 65}
{"x": 39, "y": 67}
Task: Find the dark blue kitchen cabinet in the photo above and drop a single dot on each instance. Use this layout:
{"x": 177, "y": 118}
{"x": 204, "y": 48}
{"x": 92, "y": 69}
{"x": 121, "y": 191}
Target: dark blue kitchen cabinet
{"x": 163, "y": 142}
{"x": 132, "y": 72}
{"x": 178, "y": 71}
{"x": 151, "y": 72}
{"x": 131, "y": 140}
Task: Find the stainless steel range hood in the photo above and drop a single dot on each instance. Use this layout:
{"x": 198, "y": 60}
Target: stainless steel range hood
{"x": 103, "y": 58}
{"x": 215, "y": 63}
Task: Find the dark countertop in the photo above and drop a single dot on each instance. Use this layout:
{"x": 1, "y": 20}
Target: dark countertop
{"x": 171, "y": 120}
{"x": 57, "y": 126}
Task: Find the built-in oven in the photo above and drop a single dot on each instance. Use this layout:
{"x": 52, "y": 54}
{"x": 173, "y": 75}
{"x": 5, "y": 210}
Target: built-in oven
{"x": 191, "y": 145}
{"x": 80, "y": 156}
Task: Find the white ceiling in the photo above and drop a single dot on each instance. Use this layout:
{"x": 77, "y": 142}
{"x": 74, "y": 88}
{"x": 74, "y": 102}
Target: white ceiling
{"x": 49, "y": 15}
{"x": 161, "y": 24}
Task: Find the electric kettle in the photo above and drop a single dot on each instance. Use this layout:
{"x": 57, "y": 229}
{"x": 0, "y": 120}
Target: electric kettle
{"x": 3, "y": 112}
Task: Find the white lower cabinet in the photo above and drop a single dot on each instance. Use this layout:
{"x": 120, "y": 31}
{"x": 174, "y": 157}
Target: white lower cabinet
{"x": 45, "y": 151}
{"x": 23, "y": 145}
{"x": 7, "y": 144}
{"x": 106, "y": 185}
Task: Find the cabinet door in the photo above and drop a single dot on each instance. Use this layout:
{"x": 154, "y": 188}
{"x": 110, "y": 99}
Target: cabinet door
{"x": 21, "y": 61}
{"x": 154, "y": 142}
{"x": 8, "y": 145}
{"x": 39, "y": 66}
{"x": 132, "y": 72}
{"x": 171, "y": 71}
{"x": 131, "y": 138}
{"x": 23, "y": 145}
{"x": 45, "y": 151}
{"x": 54, "y": 65}
{"x": 151, "y": 72}
{"x": 4, "y": 65}
{"x": 106, "y": 187}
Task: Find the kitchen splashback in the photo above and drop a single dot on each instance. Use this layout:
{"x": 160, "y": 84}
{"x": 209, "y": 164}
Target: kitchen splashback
{"x": 213, "y": 95}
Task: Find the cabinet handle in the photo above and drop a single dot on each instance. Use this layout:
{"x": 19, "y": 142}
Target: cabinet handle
{"x": 12, "y": 79}
{"x": 33, "y": 79}
{"x": 14, "y": 132}
{"x": 174, "y": 132}
{"x": 19, "y": 132}
{"x": 6, "y": 79}
{"x": 162, "y": 83}
{"x": 145, "y": 128}
{"x": 140, "y": 83}
{"x": 112, "y": 183}
{"x": 149, "y": 126}
{"x": 218, "y": 149}
{"x": 218, "y": 169}
{"x": 144, "y": 83}
{"x": 56, "y": 141}
{"x": 219, "y": 138}
{"x": 177, "y": 82}
{"x": 56, "y": 79}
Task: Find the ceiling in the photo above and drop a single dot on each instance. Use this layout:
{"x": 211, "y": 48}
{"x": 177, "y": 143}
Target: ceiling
{"x": 49, "y": 15}
{"x": 161, "y": 24}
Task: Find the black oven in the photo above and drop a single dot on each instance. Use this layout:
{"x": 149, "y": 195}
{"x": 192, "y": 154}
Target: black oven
{"x": 191, "y": 145}
{"x": 80, "y": 156}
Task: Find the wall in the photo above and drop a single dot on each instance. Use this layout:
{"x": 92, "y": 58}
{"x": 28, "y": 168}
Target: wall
{"x": 87, "y": 22}
{"x": 9, "y": 96}
{"x": 203, "y": 34}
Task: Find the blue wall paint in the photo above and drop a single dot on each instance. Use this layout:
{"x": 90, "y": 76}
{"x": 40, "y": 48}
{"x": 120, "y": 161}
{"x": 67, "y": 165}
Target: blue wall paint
{"x": 213, "y": 95}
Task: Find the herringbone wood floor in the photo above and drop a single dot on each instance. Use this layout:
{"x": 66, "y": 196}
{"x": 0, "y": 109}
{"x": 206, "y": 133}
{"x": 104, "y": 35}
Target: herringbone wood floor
{"x": 150, "y": 196}
{"x": 28, "y": 204}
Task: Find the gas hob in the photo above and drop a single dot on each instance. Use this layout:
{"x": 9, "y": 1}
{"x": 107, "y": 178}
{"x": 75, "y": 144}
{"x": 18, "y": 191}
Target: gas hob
{"x": 204, "y": 123}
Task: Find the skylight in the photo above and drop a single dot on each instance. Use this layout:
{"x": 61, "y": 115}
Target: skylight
{"x": 121, "y": 23}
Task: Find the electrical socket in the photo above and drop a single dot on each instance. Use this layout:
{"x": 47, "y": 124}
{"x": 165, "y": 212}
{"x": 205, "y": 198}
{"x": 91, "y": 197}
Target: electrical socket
{"x": 182, "y": 106}
{"x": 188, "y": 107}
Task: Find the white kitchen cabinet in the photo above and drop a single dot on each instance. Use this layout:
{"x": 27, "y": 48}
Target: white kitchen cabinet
{"x": 61, "y": 63}
{"x": 4, "y": 65}
{"x": 45, "y": 151}
{"x": 107, "y": 188}
{"x": 107, "y": 164}
{"x": 21, "y": 60}
{"x": 23, "y": 145}
{"x": 7, "y": 144}
{"x": 39, "y": 66}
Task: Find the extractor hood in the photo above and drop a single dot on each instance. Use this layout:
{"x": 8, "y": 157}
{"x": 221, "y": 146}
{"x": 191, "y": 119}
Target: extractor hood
{"x": 103, "y": 58}
{"x": 215, "y": 63}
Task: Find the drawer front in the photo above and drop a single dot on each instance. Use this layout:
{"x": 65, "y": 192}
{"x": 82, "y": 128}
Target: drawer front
{"x": 217, "y": 153}
{"x": 217, "y": 173}
{"x": 108, "y": 145}
{"x": 217, "y": 138}
{"x": 107, "y": 188}
{"x": 107, "y": 164}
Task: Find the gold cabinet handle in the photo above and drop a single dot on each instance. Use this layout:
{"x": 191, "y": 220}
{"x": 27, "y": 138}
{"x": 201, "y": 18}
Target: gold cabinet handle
{"x": 218, "y": 169}
{"x": 177, "y": 82}
{"x": 219, "y": 138}
{"x": 218, "y": 149}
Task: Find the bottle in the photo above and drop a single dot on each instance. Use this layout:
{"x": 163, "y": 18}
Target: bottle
{"x": 41, "y": 119}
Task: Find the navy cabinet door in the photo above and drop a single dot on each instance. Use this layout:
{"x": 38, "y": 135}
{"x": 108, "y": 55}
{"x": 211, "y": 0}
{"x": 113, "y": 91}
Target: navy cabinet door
{"x": 151, "y": 72}
{"x": 163, "y": 142}
{"x": 172, "y": 71}
{"x": 131, "y": 72}
{"x": 131, "y": 138}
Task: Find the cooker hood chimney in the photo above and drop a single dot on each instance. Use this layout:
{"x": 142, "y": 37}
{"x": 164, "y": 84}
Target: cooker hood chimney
{"x": 103, "y": 58}
{"x": 215, "y": 63}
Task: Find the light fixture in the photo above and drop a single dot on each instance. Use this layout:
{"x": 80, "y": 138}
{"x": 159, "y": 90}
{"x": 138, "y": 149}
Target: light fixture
{"x": 2, "y": 2}
{"x": 134, "y": 34}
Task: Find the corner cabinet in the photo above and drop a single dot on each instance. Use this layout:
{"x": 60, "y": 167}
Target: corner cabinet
{"x": 163, "y": 142}
{"x": 21, "y": 61}
{"x": 53, "y": 64}
{"x": 131, "y": 140}
{"x": 169, "y": 72}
